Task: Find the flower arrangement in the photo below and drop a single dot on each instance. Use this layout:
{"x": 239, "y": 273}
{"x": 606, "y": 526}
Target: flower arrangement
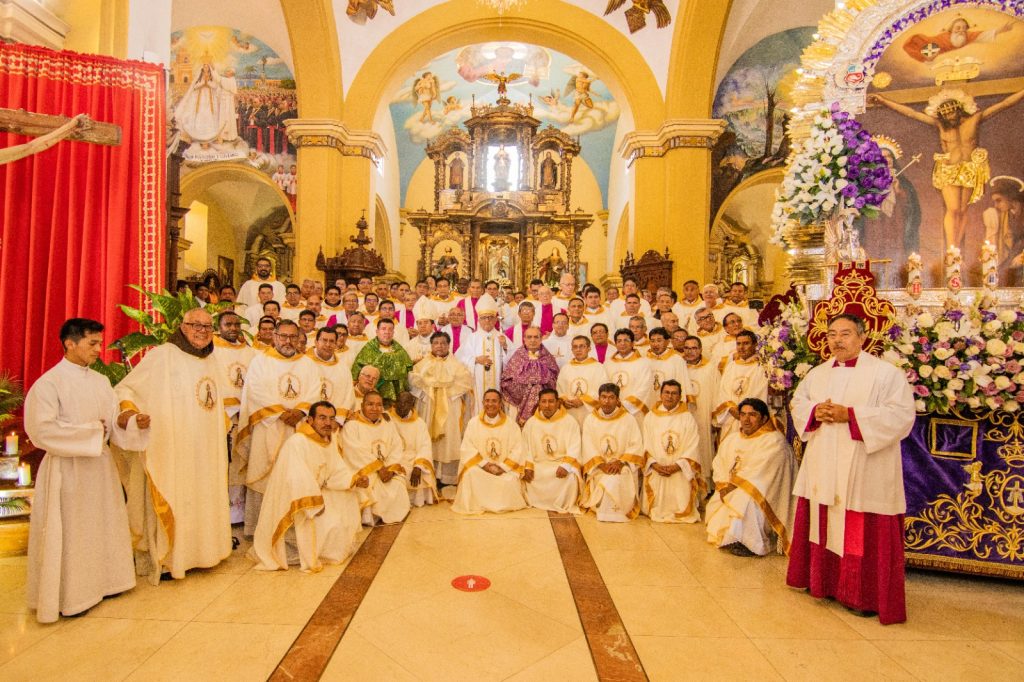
{"x": 839, "y": 170}
{"x": 783, "y": 348}
{"x": 962, "y": 360}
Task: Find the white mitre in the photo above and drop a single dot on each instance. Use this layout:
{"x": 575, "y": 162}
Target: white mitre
{"x": 486, "y": 304}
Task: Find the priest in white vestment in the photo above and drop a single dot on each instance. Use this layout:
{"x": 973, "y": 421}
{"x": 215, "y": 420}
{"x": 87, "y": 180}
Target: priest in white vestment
{"x": 416, "y": 442}
{"x": 281, "y": 385}
{"x": 632, "y": 374}
{"x": 554, "y": 470}
{"x": 443, "y": 388}
{"x": 79, "y": 543}
{"x": 743, "y": 377}
{"x": 492, "y": 462}
{"x": 750, "y": 511}
{"x": 703, "y": 392}
{"x": 613, "y": 452}
{"x": 708, "y": 330}
{"x": 335, "y": 377}
{"x": 310, "y": 514}
{"x": 233, "y": 356}
{"x": 558, "y": 342}
{"x": 688, "y": 306}
{"x": 579, "y": 381}
{"x": 485, "y": 352}
{"x": 736, "y": 302}
{"x": 247, "y": 295}
{"x": 666, "y": 364}
{"x": 853, "y": 410}
{"x": 374, "y": 451}
{"x": 178, "y": 487}
{"x": 732, "y": 324}
{"x": 673, "y": 482}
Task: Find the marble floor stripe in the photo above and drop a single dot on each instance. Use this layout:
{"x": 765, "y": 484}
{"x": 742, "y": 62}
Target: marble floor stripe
{"x": 311, "y": 651}
{"x": 615, "y": 658}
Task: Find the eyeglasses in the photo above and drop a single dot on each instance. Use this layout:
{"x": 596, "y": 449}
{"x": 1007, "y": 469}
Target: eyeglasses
{"x": 287, "y": 337}
{"x": 198, "y": 327}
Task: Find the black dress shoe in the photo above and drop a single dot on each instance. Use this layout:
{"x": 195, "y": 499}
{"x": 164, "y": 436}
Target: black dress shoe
{"x": 739, "y": 549}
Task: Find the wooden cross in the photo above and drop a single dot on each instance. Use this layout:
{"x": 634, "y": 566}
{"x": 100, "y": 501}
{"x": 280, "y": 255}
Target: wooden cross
{"x": 21, "y": 122}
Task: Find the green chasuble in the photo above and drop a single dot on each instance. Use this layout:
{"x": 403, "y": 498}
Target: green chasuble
{"x": 394, "y": 365}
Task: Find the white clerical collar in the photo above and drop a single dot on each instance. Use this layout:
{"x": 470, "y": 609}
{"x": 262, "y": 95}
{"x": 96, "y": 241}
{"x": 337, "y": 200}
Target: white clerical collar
{"x": 491, "y": 420}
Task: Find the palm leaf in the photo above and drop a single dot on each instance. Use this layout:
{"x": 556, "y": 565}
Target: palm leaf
{"x": 132, "y": 344}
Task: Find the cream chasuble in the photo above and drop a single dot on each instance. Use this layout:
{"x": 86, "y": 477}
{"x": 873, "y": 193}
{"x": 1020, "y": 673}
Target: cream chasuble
{"x": 635, "y": 380}
{"x": 553, "y": 444}
{"x": 581, "y": 327}
{"x": 685, "y": 311}
{"x": 233, "y": 363}
{"x": 416, "y": 443}
{"x": 704, "y": 378}
{"x": 580, "y": 381}
{"x": 498, "y": 441}
{"x": 443, "y": 390}
{"x": 335, "y": 383}
{"x": 708, "y": 340}
{"x": 483, "y": 343}
{"x": 672, "y": 438}
{"x": 178, "y": 487}
{"x": 417, "y": 347}
{"x": 249, "y": 292}
{"x": 369, "y": 448}
{"x": 309, "y": 509}
{"x": 611, "y": 438}
{"x": 290, "y": 312}
{"x": 753, "y": 500}
{"x": 838, "y": 471}
{"x": 560, "y": 347}
{"x": 669, "y": 365}
{"x": 746, "y": 313}
{"x": 741, "y": 379}
{"x": 79, "y": 547}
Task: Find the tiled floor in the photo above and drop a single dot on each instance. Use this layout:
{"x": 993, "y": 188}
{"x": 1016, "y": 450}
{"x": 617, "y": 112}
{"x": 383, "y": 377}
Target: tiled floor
{"x": 690, "y": 611}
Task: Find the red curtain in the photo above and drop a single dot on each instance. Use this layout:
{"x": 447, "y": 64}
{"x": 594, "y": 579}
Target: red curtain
{"x": 79, "y": 221}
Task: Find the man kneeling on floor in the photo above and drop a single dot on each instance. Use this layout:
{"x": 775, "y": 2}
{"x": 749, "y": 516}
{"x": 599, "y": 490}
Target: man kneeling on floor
{"x": 613, "y": 450}
{"x": 750, "y": 511}
{"x": 374, "y": 451}
{"x": 310, "y": 514}
{"x": 491, "y": 463}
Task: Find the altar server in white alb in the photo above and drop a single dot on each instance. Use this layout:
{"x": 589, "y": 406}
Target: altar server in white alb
{"x": 178, "y": 487}
{"x": 79, "y": 545}
{"x": 673, "y": 481}
{"x": 613, "y": 450}
{"x": 310, "y": 514}
{"x": 852, "y": 411}
{"x": 416, "y": 443}
{"x": 750, "y": 511}
{"x": 374, "y": 451}
{"x": 492, "y": 462}
{"x": 554, "y": 468}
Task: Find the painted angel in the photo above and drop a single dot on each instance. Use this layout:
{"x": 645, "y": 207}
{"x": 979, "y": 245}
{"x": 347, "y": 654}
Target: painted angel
{"x": 426, "y": 90}
{"x": 502, "y": 80}
{"x": 579, "y": 84}
{"x": 636, "y": 16}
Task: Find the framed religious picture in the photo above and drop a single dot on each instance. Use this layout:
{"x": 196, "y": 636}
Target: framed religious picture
{"x": 226, "y": 270}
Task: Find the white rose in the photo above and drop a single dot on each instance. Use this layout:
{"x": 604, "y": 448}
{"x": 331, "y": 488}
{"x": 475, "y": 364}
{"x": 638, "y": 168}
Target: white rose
{"x": 991, "y": 403}
{"x": 1011, "y": 406}
{"x": 841, "y": 161}
{"x": 942, "y": 372}
{"x": 1007, "y": 316}
{"x": 1019, "y": 378}
{"x": 974, "y": 402}
{"x": 995, "y": 346}
{"x": 950, "y": 394}
{"x": 802, "y": 369}
{"x": 982, "y": 380}
{"x": 992, "y": 327}
{"x": 925, "y": 371}
{"x": 1002, "y": 382}
{"x": 919, "y": 405}
{"x": 943, "y": 353}
{"x": 906, "y": 348}
{"x": 956, "y": 384}
{"x": 946, "y": 331}
{"x": 925, "y": 320}
{"x": 788, "y": 355}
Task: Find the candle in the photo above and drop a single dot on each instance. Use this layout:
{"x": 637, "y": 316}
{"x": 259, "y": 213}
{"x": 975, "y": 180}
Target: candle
{"x": 989, "y": 269}
{"x": 24, "y": 475}
{"x": 914, "y": 275}
{"x": 11, "y": 444}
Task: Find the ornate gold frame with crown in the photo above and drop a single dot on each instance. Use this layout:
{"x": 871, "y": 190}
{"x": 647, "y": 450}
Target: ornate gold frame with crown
{"x": 500, "y": 213}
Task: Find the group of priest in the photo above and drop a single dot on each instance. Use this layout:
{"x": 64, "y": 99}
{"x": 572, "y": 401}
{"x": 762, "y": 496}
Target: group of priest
{"x": 347, "y": 409}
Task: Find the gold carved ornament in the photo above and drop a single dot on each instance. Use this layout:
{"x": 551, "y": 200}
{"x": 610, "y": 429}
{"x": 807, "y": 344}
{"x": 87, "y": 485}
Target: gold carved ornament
{"x": 854, "y": 293}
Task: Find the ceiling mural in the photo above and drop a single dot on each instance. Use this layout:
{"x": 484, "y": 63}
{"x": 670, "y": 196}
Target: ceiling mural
{"x": 565, "y": 94}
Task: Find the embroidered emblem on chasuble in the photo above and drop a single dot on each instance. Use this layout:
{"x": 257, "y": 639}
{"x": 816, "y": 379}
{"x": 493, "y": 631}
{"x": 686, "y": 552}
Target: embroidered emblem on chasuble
{"x": 326, "y": 388}
{"x": 739, "y": 386}
{"x": 620, "y": 379}
{"x": 493, "y": 447}
{"x": 289, "y": 386}
{"x": 609, "y": 446}
{"x": 549, "y": 444}
{"x": 579, "y": 387}
{"x": 236, "y": 374}
{"x": 670, "y": 441}
{"x": 377, "y": 448}
{"x": 659, "y": 377}
{"x": 206, "y": 393}
{"x": 694, "y": 387}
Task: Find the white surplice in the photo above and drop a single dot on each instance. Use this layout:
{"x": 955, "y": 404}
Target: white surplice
{"x": 369, "y": 448}
{"x": 80, "y": 547}
{"x": 672, "y": 437}
{"x": 335, "y": 383}
{"x": 310, "y": 514}
{"x": 496, "y": 441}
{"x": 552, "y": 445}
{"x": 633, "y": 375}
{"x": 610, "y": 438}
{"x": 670, "y": 365}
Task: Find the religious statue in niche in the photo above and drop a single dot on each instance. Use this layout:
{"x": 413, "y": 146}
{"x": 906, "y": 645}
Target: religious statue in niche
{"x": 359, "y": 11}
{"x": 549, "y": 172}
{"x": 502, "y": 164}
{"x": 447, "y": 267}
{"x": 962, "y": 170}
{"x": 425, "y": 91}
{"x": 456, "y": 171}
{"x": 550, "y": 269}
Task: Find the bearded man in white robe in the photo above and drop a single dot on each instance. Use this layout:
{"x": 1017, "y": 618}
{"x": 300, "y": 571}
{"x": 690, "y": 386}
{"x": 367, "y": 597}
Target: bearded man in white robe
{"x": 310, "y": 513}
{"x": 443, "y": 389}
{"x": 750, "y": 512}
{"x": 632, "y": 374}
{"x": 233, "y": 356}
{"x": 852, "y": 411}
{"x": 673, "y": 482}
{"x": 613, "y": 452}
{"x": 743, "y": 377}
{"x": 178, "y": 487}
{"x": 485, "y": 351}
{"x": 579, "y": 380}
{"x": 335, "y": 378}
{"x": 416, "y": 441}
{"x": 281, "y": 385}
{"x": 79, "y": 543}
{"x": 372, "y": 448}
{"x": 492, "y": 462}
{"x": 248, "y": 293}
{"x": 554, "y": 470}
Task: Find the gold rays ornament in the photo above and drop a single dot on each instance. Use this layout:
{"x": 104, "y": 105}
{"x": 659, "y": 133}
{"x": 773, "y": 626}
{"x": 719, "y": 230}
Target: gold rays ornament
{"x": 636, "y": 16}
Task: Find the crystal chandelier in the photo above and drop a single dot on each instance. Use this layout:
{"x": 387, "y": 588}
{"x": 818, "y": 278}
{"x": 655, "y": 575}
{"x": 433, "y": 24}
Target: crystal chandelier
{"x": 502, "y": 6}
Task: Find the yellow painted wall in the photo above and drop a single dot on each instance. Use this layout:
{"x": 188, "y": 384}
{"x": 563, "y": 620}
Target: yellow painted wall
{"x": 196, "y": 231}
{"x": 97, "y": 26}
{"x": 222, "y": 240}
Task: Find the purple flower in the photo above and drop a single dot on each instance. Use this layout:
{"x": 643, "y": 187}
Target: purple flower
{"x": 849, "y": 191}
{"x": 954, "y": 315}
{"x": 859, "y": 202}
{"x": 895, "y": 332}
{"x": 987, "y": 316}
